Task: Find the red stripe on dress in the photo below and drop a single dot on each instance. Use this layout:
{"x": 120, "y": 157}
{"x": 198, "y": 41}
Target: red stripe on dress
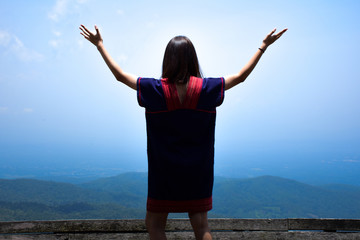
{"x": 171, "y": 97}
{"x": 167, "y": 94}
{"x": 174, "y": 97}
{"x": 193, "y": 92}
{"x": 139, "y": 91}
{"x": 191, "y": 99}
{"x": 222, "y": 89}
{"x": 189, "y": 93}
{"x": 186, "y": 101}
{"x": 199, "y": 205}
{"x": 197, "y": 86}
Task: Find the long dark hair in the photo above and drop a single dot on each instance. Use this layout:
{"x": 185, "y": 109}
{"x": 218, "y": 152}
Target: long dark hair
{"x": 180, "y": 60}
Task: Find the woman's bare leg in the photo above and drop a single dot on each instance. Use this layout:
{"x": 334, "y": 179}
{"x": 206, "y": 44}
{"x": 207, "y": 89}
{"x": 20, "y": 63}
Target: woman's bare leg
{"x": 199, "y": 222}
{"x": 155, "y": 224}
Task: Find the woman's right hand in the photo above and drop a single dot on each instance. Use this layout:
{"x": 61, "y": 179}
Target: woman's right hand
{"x": 270, "y": 38}
{"x": 95, "y": 39}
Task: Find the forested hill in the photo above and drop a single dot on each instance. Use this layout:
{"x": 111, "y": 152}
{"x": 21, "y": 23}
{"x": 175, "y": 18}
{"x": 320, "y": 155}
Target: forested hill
{"x": 124, "y": 196}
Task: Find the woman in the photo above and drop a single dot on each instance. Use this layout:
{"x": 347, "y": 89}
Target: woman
{"x": 180, "y": 118}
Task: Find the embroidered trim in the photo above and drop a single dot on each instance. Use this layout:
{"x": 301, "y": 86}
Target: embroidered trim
{"x": 139, "y": 91}
{"x": 169, "y": 95}
{"x": 191, "y": 98}
{"x": 222, "y": 90}
{"x": 193, "y": 92}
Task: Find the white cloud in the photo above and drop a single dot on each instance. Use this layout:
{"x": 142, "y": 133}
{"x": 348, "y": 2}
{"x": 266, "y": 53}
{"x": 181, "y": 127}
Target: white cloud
{"x": 5, "y": 38}
{"x": 24, "y": 110}
{"x": 16, "y": 47}
{"x": 3, "y": 109}
{"x": 57, "y": 33}
{"x": 351, "y": 161}
{"x": 61, "y": 8}
{"x": 17, "y": 43}
{"x": 122, "y": 58}
{"x": 257, "y": 169}
{"x": 341, "y": 161}
{"x": 23, "y": 53}
{"x": 120, "y": 12}
{"x": 28, "y": 110}
{"x": 80, "y": 43}
{"x": 58, "y": 10}
{"x": 54, "y": 43}
{"x": 150, "y": 24}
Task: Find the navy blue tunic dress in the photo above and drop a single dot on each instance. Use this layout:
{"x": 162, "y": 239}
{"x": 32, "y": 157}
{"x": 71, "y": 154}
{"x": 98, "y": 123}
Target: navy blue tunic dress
{"x": 180, "y": 142}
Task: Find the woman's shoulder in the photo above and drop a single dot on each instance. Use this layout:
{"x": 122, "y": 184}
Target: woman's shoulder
{"x": 213, "y": 82}
{"x": 147, "y": 82}
{"x": 149, "y": 79}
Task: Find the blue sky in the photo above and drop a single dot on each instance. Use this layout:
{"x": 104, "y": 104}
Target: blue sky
{"x": 297, "y": 115}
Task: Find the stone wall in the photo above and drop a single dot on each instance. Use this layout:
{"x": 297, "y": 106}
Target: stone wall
{"x": 181, "y": 229}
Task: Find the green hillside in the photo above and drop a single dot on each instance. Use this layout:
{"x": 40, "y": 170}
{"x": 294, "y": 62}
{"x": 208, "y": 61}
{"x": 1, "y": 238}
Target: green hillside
{"x": 124, "y": 196}
{"x": 30, "y": 199}
{"x": 20, "y": 211}
{"x": 130, "y": 189}
{"x": 275, "y": 197}
{"x": 47, "y": 192}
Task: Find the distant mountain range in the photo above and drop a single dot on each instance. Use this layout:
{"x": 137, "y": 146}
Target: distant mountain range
{"x": 124, "y": 196}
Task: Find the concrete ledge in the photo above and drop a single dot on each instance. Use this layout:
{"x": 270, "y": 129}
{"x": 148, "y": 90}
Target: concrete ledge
{"x": 181, "y": 229}
{"x": 324, "y": 224}
{"x": 267, "y": 235}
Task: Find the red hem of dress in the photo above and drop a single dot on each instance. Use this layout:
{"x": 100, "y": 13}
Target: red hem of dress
{"x": 199, "y": 205}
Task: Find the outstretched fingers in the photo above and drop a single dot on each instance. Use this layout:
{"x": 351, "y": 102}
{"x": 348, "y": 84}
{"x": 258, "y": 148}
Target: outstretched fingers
{"x": 94, "y": 38}
{"x": 85, "y": 32}
{"x": 280, "y": 33}
{"x": 97, "y": 30}
{"x": 84, "y": 29}
{"x": 272, "y": 32}
{"x": 271, "y": 37}
{"x": 85, "y": 36}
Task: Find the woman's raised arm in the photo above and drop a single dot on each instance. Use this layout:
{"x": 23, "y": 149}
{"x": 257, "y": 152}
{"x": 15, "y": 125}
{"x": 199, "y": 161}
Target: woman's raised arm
{"x": 120, "y": 75}
{"x": 233, "y": 80}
